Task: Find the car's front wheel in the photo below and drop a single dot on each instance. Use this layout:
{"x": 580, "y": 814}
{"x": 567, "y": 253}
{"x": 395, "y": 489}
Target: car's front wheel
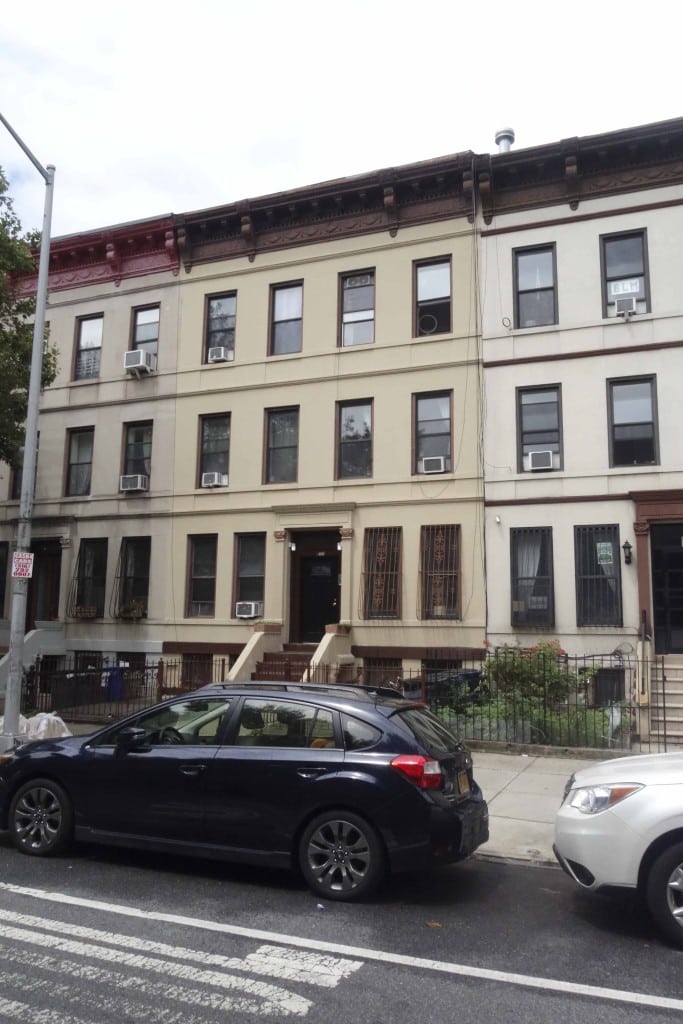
{"x": 40, "y": 818}
{"x": 665, "y": 892}
{"x": 341, "y": 856}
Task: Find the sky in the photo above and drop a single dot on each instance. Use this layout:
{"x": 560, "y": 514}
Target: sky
{"x": 148, "y": 108}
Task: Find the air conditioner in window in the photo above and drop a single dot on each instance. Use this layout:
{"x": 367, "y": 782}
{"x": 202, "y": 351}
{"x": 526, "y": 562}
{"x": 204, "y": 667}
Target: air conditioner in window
{"x": 626, "y": 306}
{"x": 139, "y": 361}
{"x": 248, "y": 609}
{"x": 433, "y": 464}
{"x": 220, "y": 354}
{"x": 134, "y": 482}
{"x": 214, "y": 479}
{"x": 540, "y": 460}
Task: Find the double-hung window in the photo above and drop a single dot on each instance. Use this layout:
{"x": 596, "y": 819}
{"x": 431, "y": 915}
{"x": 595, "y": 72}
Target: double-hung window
{"x": 250, "y": 560}
{"x": 282, "y": 445}
{"x": 432, "y": 297}
{"x": 632, "y": 421}
{"x": 531, "y": 574}
{"x": 598, "y": 576}
{"x": 625, "y": 274}
{"x": 88, "y": 347}
{"x": 146, "y": 329}
{"x": 354, "y": 453}
{"x": 286, "y": 329}
{"x": 214, "y": 452}
{"x": 538, "y": 426}
{"x": 439, "y": 571}
{"x": 137, "y": 455}
{"x": 432, "y": 438}
{"x": 91, "y": 575}
{"x": 133, "y": 577}
{"x": 201, "y": 596}
{"x": 219, "y": 338}
{"x": 79, "y": 467}
{"x": 535, "y": 287}
{"x": 381, "y": 580}
{"x": 358, "y": 308}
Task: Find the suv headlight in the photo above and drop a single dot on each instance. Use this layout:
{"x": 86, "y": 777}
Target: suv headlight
{"x": 593, "y": 799}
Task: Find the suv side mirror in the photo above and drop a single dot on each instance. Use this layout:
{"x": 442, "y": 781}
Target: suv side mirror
{"x": 132, "y": 738}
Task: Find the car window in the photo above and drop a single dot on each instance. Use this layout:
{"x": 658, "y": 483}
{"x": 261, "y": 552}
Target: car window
{"x": 429, "y": 731}
{"x": 358, "y": 735}
{"x": 196, "y": 720}
{"x": 267, "y": 723}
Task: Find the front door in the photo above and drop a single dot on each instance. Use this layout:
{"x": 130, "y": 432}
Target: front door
{"x": 315, "y": 585}
{"x": 43, "y": 588}
{"x": 667, "y": 586}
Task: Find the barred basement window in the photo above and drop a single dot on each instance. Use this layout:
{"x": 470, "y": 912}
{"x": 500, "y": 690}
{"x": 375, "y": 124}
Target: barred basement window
{"x": 380, "y": 596}
{"x": 598, "y": 576}
{"x": 532, "y": 576}
{"x": 439, "y": 572}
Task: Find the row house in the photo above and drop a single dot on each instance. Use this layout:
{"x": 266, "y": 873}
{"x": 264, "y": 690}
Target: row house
{"x": 582, "y": 346}
{"x": 265, "y": 431}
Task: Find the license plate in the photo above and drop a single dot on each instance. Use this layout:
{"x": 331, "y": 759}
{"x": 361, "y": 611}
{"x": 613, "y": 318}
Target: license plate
{"x": 463, "y": 783}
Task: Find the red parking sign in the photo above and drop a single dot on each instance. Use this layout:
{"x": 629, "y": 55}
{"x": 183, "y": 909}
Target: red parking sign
{"x": 22, "y": 565}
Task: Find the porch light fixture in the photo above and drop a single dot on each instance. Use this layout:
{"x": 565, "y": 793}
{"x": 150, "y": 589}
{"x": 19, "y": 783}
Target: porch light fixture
{"x": 292, "y": 545}
{"x": 627, "y": 549}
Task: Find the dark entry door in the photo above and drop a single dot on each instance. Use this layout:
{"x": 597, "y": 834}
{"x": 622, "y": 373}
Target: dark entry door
{"x": 319, "y": 596}
{"x": 315, "y": 585}
{"x": 667, "y": 587}
{"x": 43, "y": 588}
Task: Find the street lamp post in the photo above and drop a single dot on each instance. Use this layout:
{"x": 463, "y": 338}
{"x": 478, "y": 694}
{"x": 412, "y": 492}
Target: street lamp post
{"x": 10, "y": 730}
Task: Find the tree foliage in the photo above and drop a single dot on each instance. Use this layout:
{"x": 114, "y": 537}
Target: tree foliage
{"x": 16, "y": 331}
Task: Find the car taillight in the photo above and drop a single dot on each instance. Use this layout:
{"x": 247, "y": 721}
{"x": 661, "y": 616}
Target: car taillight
{"x": 422, "y": 771}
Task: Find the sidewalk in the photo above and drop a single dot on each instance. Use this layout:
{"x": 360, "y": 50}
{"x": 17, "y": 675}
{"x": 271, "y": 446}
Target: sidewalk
{"x": 523, "y": 792}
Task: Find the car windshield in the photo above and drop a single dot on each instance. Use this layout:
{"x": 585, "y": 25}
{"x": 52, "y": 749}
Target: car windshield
{"x": 430, "y": 732}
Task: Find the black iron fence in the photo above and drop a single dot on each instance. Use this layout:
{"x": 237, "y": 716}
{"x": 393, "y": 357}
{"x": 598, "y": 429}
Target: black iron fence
{"x": 540, "y": 696}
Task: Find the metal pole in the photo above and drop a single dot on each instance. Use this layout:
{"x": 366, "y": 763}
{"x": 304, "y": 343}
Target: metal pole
{"x": 10, "y": 736}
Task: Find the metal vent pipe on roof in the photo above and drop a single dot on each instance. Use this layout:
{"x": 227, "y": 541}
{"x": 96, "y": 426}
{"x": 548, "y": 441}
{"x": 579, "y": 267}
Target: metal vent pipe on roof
{"x": 504, "y": 139}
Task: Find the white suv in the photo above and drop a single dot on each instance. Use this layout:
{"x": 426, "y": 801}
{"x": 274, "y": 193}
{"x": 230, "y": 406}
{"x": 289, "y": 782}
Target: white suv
{"x": 621, "y": 826}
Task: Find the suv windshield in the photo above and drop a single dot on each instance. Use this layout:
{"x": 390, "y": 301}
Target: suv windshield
{"x": 430, "y": 732}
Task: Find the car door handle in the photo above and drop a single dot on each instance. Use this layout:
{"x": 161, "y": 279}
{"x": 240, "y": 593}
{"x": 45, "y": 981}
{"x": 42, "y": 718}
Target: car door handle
{"x": 192, "y": 769}
{"x": 311, "y": 773}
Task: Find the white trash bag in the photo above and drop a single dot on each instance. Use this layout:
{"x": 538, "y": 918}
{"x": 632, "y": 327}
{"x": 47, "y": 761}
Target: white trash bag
{"x": 46, "y": 726}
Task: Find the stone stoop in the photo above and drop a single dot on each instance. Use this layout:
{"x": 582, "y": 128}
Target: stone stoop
{"x": 666, "y": 708}
{"x": 287, "y": 665}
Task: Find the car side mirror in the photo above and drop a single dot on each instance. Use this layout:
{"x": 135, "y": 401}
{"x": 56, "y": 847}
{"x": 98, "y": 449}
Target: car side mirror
{"x": 132, "y": 738}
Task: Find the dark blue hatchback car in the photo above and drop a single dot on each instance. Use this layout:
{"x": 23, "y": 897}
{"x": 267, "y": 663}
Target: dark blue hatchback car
{"x": 345, "y": 782}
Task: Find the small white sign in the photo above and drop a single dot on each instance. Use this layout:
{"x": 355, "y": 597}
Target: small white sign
{"x": 22, "y": 565}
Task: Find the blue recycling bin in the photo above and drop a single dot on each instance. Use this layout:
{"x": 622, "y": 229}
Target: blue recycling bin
{"x": 115, "y": 684}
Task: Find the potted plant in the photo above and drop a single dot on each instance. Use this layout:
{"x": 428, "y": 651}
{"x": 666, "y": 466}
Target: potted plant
{"x": 85, "y": 611}
{"x": 134, "y": 609}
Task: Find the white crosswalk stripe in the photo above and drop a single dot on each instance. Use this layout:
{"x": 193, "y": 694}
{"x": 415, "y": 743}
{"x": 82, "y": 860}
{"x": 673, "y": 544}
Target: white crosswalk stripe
{"x": 152, "y": 981}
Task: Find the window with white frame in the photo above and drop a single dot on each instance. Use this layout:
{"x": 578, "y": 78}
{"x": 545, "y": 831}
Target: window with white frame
{"x": 625, "y": 274}
{"x": 539, "y": 428}
{"x": 535, "y": 287}
{"x": 632, "y": 421}
{"x": 432, "y": 297}
{"x": 432, "y": 432}
{"x": 201, "y": 587}
{"x": 88, "y": 347}
{"x": 358, "y": 308}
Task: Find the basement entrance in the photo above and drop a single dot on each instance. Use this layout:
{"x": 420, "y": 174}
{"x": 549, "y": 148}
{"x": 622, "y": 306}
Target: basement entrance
{"x": 667, "y": 586}
{"x": 315, "y": 580}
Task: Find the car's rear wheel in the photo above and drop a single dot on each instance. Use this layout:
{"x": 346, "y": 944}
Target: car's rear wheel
{"x": 341, "y": 856}
{"x": 665, "y": 892}
{"x": 40, "y": 818}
